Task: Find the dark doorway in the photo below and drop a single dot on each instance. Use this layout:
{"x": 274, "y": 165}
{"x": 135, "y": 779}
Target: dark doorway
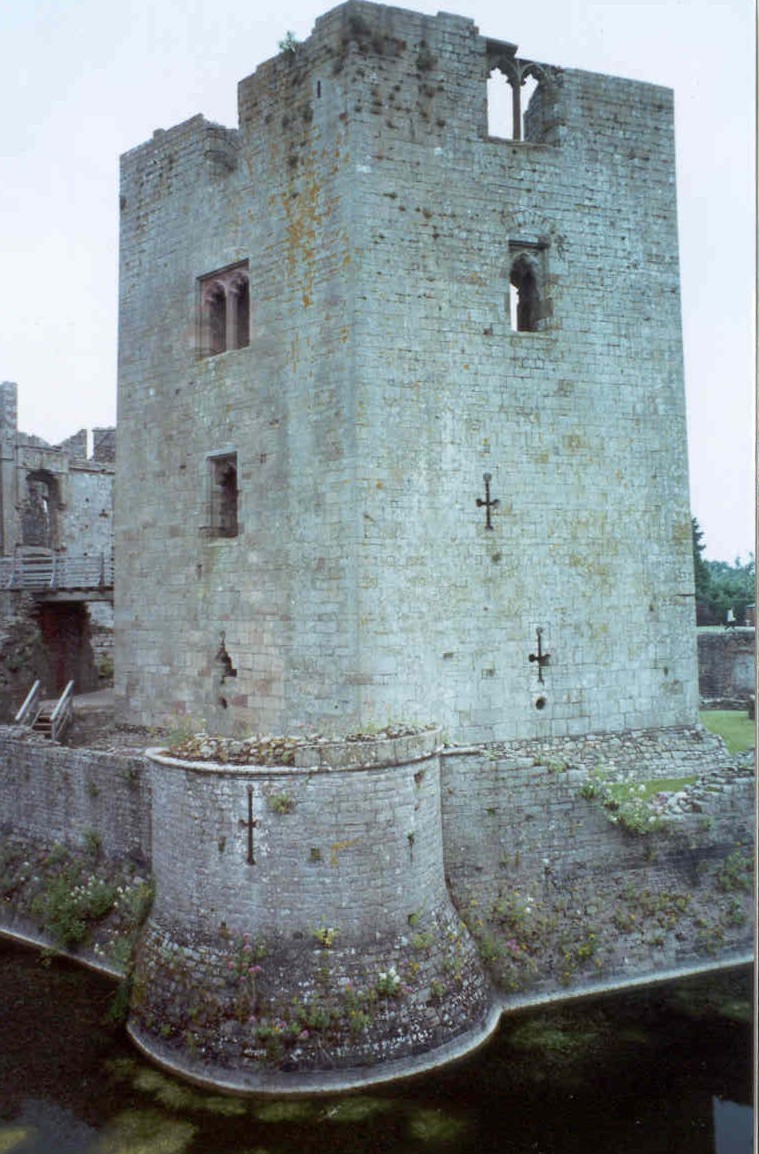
{"x": 65, "y": 629}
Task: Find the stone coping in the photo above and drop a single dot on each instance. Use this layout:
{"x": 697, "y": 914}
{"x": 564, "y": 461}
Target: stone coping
{"x": 510, "y": 1003}
{"x": 324, "y": 756}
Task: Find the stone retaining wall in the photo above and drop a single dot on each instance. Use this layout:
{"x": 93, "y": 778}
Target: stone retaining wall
{"x": 559, "y": 889}
{"x": 351, "y": 948}
{"x": 51, "y": 794}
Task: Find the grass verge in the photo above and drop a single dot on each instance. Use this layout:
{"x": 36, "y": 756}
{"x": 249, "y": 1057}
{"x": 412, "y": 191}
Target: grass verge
{"x": 733, "y": 726}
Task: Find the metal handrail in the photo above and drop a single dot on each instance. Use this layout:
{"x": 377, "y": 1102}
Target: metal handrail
{"x": 63, "y": 714}
{"x": 42, "y": 569}
{"x": 31, "y": 705}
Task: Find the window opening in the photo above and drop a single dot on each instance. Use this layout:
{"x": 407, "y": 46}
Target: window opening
{"x": 224, "y": 495}
{"x": 528, "y": 301}
{"x": 512, "y": 82}
{"x": 37, "y": 520}
{"x": 224, "y": 311}
{"x": 241, "y": 328}
{"x": 509, "y": 98}
{"x": 500, "y": 106}
{"x": 524, "y": 296}
{"x": 216, "y": 303}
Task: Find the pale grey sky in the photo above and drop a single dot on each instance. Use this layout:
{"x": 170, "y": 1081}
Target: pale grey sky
{"x": 82, "y": 81}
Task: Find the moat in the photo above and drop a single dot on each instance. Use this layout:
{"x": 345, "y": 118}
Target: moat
{"x": 661, "y": 1069}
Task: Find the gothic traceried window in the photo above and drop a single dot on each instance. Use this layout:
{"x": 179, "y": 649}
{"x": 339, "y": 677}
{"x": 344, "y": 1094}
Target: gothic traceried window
{"x": 224, "y": 310}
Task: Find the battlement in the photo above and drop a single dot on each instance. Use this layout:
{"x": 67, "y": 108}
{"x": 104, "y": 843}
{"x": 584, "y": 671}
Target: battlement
{"x": 402, "y": 74}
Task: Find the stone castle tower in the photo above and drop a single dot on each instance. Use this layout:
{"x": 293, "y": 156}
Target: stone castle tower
{"x": 357, "y": 486}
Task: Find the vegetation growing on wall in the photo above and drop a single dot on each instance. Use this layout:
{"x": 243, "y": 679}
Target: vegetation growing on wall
{"x": 636, "y": 806}
{"x": 22, "y": 659}
{"x": 75, "y": 899}
{"x": 581, "y": 928}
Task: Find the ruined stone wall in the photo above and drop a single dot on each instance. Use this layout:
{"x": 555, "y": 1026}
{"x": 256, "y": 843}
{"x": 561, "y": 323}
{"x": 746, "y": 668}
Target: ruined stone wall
{"x": 382, "y": 380}
{"x": 580, "y": 423}
{"x": 727, "y": 664}
{"x": 76, "y": 514}
{"x": 55, "y": 497}
{"x": 87, "y": 526}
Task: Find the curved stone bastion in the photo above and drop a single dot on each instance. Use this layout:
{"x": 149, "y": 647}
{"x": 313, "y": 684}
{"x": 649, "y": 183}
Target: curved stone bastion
{"x": 302, "y": 935}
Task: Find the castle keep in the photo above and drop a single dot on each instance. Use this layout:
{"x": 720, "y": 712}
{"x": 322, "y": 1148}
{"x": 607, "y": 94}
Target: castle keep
{"x": 319, "y": 368}
{"x": 403, "y": 547}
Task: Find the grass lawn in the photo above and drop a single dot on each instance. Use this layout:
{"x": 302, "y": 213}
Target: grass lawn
{"x": 733, "y": 727}
{"x": 645, "y": 790}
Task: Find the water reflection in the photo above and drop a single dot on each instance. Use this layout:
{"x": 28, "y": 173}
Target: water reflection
{"x": 655, "y": 1071}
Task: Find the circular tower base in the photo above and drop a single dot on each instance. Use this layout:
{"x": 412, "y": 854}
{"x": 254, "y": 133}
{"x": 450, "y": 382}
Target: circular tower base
{"x": 302, "y": 937}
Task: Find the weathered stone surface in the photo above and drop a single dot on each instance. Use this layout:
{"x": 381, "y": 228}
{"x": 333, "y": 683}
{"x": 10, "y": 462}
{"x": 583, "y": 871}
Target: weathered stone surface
{"x": 356, "y": 940}
{"x": 727, "y": 665}
{"x": 379, "y": 223}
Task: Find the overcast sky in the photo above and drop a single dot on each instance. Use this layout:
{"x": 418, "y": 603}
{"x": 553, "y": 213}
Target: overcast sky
{"x": 82, "y": 81}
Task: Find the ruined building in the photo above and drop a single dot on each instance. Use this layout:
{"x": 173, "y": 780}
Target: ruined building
{"x": 340, "y": 450}
{"x": 56, "y": 554}
{"x": 402, "y": 453}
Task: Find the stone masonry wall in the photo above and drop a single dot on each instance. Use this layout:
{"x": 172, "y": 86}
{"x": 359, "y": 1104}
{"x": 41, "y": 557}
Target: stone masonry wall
{"x": 50, "y": 794}
{"x": 727, "y": 664}
{"x": 382, "y": 381}
{"x": 580, "y": 423}
{"x": 561, "y": 892}
{"x": 340, "y": 916}
{"x": 337, "y": 954}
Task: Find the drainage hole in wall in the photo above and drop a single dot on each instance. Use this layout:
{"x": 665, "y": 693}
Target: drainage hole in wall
{"x": 540, "y": 703}
{"x": 223, "y": 702}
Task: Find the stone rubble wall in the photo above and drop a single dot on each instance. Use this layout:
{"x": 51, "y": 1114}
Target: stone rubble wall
{"x": 727, "y": 664}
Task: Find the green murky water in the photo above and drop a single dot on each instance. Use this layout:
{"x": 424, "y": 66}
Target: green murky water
{"x": 660, "y": 1071}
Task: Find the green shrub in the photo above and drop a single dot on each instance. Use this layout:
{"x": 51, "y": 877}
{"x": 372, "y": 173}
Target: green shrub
{"x": 736, "y": 873}
{"x": 69, "y": 905}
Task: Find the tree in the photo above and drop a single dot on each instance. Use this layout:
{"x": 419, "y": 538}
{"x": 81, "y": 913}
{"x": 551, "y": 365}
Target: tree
{"x": 700, "y": 570}
{"x": 721, "y": 586}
